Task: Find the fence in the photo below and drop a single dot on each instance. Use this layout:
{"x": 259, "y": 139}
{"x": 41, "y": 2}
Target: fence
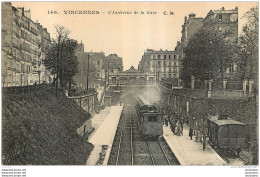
{"x": 230, "y": 94}
{"x": 25, "y": 89}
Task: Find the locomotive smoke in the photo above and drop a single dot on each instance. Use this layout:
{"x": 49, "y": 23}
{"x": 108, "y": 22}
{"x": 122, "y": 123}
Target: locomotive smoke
{"x": 152, "y": 94}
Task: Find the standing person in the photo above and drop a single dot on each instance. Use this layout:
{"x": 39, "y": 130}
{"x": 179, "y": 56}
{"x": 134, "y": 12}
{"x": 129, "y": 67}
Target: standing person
{"x": 191, "y": 133}
{"x": 166, "y": 120}
{"x": 181, "y": 127}
{"x": 178, "y": 128}
{"x": 171, "y": 125}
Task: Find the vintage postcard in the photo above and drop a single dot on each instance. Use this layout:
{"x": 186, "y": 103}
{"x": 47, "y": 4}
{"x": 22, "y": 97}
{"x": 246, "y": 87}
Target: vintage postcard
{"x": 129, "y": 83}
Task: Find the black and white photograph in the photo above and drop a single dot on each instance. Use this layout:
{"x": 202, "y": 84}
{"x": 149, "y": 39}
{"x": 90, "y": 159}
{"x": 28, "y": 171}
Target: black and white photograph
{"x": 129, "y": 84}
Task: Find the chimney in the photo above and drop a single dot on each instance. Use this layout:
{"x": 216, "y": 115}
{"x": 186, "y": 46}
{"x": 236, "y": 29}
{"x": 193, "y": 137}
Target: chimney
{"x": 27, "y": 13}
{"x": 8, "y": 3}
{"x": 222, "y": 117}
{"x": 222, "y": 8}
{"x": 236, "y": 8}
{"x": 20, "y": 10}
{"x": 192, "y": 15}
{"x": 185, "y": 19}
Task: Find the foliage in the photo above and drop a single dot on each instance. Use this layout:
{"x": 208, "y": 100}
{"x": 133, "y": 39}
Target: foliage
{"x": 40, "y": 129}
{"x": 208, "y": 54}
{"x": 248, "y": 44}
{"x": 61, "y": 58}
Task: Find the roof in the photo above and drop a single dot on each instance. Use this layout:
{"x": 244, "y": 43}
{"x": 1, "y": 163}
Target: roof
{"x": 213, "y": 118}
{"x": 227, "y": 122}
{"x": 144, "y": 101}
{"x": 131, "y": 70}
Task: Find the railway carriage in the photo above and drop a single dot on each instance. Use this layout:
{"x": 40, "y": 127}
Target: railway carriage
{"x": 149, "y": 119}
{"x": 226, "y": 133}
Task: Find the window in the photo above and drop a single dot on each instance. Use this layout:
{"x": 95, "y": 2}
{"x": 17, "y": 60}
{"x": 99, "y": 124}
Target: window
{"x": 170, "y": 75}
{"x": 174, "y": 57}
{"x": 152, "y": 119}
{"x": 170, "y": 70}
{"x": 98, "y": 62}
{"x": 164, "y": 57}
{"x": 170, "y": 63}
{"x": 220, "y": 17}
{"x": 164, "y": 63}
{"x": 164, "y": 69}
{"x": 112, "y": 71}
{"x": 164, "y": 75}
{"x": 159, "y": 63}
{"x": 170, "y": 56}
{"x": 158, "y": 56}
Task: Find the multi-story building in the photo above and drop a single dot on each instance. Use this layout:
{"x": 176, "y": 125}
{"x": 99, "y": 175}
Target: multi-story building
{"x": 225, "y": 22}
{"x": 165, "y": 64}
{"x": 21, "y": 47}
{"x": 91, "y": 60}
{"x": 112, "y": 64}
{"x": 97, "y": 60}
{"x": 189, "y": 28}
{"x": 45, "y": 75}
{"x": 99, "y": 67}
{"x": 132, "y": 76}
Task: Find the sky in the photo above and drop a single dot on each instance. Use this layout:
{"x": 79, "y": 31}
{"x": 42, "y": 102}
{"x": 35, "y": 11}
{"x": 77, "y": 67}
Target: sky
{"x": 127, "y": 35}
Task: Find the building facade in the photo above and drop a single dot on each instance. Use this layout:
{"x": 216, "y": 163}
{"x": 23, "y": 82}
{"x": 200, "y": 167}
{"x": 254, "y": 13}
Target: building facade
{"x": 223, "y": 21}
{"x": 190, "y": 26}
{"x": 112, "y": 64}
{"x": 21, "y": 48}
{"x": 226, "y": 23}
{"x": 132, "y": 76}
{"x": 93, "y": 61}
{"x": 164, "y": 64}
{"x": 100, "y": 66}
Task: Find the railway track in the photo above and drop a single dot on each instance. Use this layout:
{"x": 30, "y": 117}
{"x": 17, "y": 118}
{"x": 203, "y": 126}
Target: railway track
{"x": 130, "y": 148}
{"x": 125, "y": 152}
{"x": 157, "y": 153}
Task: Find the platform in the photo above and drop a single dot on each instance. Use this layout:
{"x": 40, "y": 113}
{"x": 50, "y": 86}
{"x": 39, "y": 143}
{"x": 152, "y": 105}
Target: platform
{"x": 105, "y": 124}
{"x": 190, "y": 152}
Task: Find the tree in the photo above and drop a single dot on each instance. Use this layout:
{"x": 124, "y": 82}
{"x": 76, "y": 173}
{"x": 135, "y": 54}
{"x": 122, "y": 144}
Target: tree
{"x": 248, "y": 45}
{"x": 61, "y": 58}
{"x": 208, "y": 54}
{"x": 248, "y": 50}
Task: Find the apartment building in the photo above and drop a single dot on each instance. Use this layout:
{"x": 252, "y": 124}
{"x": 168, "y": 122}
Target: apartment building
{"x": 22, "y": 50}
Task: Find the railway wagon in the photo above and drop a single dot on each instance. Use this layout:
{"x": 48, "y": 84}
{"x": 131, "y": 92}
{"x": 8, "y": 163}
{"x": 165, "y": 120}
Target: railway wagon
{"x": 149, "y": 119}
{"x": 226, "y": 133}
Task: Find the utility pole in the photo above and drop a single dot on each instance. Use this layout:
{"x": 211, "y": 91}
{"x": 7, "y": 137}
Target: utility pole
{"x": 88, "y": 72}
{"x": 204, "y": 134}
{"x": 88, "y": 69}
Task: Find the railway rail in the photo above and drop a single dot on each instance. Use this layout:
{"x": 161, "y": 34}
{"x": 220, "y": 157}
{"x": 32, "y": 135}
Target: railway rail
{"x": 130, "y": 148}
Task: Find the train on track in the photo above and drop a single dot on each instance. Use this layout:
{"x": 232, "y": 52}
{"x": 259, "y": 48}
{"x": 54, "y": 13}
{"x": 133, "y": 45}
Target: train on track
{"x": 226, "y": 133}
{"x": 149, "y": 120}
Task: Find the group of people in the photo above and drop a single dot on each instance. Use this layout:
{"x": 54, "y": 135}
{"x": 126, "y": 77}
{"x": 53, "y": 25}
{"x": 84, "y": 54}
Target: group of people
{"x": 176, "y": 121}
